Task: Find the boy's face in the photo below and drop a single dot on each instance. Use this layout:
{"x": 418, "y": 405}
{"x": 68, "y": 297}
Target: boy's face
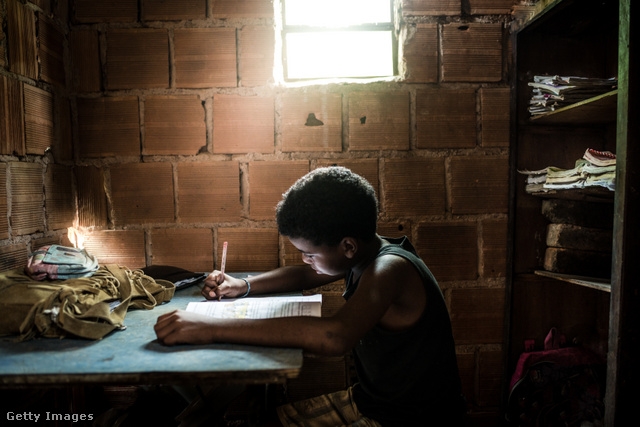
{"x": 324, "y": 259}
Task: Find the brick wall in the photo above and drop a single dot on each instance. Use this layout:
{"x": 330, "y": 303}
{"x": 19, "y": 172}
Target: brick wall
{"x": 158, "y": 128}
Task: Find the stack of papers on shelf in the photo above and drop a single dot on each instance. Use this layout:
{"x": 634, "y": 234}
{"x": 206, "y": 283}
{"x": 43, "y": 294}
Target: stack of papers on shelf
{"x": 595, "y": 169}
{"x": 553, "y": 92}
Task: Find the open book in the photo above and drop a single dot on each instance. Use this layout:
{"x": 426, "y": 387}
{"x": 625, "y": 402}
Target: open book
{"x": 260, "y": 307}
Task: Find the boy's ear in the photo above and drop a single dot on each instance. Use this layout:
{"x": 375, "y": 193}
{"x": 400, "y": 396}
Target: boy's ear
{"x": 349, "y": 247}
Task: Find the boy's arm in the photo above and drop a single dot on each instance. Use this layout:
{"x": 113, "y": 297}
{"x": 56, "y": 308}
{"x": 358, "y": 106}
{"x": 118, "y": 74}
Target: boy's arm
{"x": 283, "y": 279}
{"x": 379, "y": 288}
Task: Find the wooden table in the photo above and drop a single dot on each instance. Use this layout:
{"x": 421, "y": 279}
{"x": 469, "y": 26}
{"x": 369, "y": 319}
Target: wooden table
{"x": 133, "y": 356}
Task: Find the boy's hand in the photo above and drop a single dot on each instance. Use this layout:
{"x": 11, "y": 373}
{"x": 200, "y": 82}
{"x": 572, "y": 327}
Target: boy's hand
{"x": 218, "y": 285}
{"x": 182, "y": 327}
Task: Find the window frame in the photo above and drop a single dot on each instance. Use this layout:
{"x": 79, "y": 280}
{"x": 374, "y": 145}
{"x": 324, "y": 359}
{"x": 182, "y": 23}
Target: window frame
{"x": 366, "y": 27}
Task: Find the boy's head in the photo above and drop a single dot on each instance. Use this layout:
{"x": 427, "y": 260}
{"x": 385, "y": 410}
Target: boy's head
{"x": 327, "y": 205}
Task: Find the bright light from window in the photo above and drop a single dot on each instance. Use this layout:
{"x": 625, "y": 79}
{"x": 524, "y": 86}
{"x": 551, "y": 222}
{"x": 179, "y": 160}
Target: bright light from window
{"x": 339, "y": 54}
{"x": 336, "y": 13}
{"x": 338, "y": 39}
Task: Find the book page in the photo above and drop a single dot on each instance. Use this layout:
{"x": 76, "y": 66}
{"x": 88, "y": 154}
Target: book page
{"x": 259, "y": 308}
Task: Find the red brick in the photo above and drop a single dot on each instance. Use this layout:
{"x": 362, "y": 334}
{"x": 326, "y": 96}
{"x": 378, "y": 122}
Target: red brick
{"x": 27, "y": 209}
{"x": 431, "y": 7}
{"x": 249, "y": 249}
{"x": 13, "y": 257}
{"x": 108, "y": 126}
{"x": 52, "y": 240}
{"x": 242, "y": 9}
{"x": 413, "y": 187}
{"x": 92, "y": 199}
{"x": 174, "y": 125}
{"x": 60, "y": 200}
{"x": 477, "y": 315}
{"x": 191, "y": 249}
{"x": 493, "y": 260}
{"x": 63, "y": 149}
{"x": 257, "y": 46}
{"x": 137, "y": 59}
{"x": 11, "y": 117}
{"x": 142, "y": 193}
{"x": 243, "y": 124}
{"x": 420, "y": 54}
{"x": 394, "y": 229}
{"x": 85, "y": 54}
{"x": 4, "y": 206}
{"x": 496, "y": 118}
{"x": 21, "y": 40}
{"x": 163, "y": 10}
{"x": 209, "y": 192}
{"x": 491, "y": 7}
{"x": 379, "y": 121}
{"x": 38, "y": 120}
{"x": 90, "y": 11}
{"x": 490, "y": 373}
{"x": 472, "y": 52}
{"x": 267, "y": 182}
{"x": 446, "y": 118}
{"x": 366, "y": 168}
{"x": 51, "y": 52}
{"x": 479, "y": 184}
{"x": 301, "y": 132}
{"x": 205, "y": 57}
{"x": 122, "y": 247}
{"x": 450, "y": 249}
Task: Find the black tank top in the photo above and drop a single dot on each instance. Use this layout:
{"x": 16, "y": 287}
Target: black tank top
{"x": 409, "y": 377}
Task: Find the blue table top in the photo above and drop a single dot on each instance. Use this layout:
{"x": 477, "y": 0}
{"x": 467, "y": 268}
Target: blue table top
{"x": 133, "y": 356}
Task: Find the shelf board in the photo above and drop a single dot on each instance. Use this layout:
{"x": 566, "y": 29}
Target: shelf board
{"x": 587, "y": 194}
{"x": 589, "y": 282}
{"x": 598, "y": 110}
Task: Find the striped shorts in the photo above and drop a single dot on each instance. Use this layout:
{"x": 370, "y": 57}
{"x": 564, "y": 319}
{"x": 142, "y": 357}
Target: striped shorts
{"x": 329, "y": 410}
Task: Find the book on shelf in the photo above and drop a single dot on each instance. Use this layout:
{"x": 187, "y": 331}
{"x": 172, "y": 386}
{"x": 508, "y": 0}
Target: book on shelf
{"x": 550, "y": 93}
{"x": 260, "y": 307}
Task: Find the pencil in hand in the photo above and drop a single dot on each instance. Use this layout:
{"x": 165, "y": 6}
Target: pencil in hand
{"x": 223, "y": 263}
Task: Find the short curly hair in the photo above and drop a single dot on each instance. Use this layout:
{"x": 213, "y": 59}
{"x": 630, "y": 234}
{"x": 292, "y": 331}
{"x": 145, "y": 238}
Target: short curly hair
{"x": 328, "y": 204}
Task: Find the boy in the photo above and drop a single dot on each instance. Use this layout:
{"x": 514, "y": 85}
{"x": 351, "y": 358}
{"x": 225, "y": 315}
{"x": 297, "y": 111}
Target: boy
{"x": 394, "y": 318}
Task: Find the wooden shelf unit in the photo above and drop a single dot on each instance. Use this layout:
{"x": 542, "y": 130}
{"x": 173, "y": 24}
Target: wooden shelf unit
{"x": 585, "y": 38}
{"x": 588, "y": 282}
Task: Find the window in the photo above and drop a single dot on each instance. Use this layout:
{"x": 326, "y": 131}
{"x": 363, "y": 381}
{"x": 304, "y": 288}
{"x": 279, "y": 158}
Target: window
{"x": 338, "y": 39}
